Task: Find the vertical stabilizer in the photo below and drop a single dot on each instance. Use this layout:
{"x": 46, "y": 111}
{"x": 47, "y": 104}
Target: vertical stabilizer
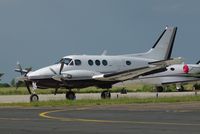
{"x": 198, "y": 62}
{"x": 162, "y": 48}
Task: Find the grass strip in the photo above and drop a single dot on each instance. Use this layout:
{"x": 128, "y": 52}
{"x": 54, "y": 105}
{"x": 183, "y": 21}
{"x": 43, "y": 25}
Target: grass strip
{"x": 128, "y": 87}
{"x": 91, "y": 102}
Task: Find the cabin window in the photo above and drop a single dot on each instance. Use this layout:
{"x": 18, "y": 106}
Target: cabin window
{"x": 97, "y": 62}
{"x": 104, "y": 62}
{"x": 77, "y": 62}
{"x": 90, "y": 62}
{"x": 128, "y": 62}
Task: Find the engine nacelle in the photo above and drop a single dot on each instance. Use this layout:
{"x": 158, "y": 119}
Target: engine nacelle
{"x": 78, "y": 74}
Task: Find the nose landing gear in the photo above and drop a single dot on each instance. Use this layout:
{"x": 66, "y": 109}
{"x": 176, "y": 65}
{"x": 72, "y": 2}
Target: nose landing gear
{"x": 34, "y": 98}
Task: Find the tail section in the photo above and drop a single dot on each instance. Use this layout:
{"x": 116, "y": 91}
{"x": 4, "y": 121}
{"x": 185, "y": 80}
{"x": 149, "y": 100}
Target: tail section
{"x": 198, "y": 62}
{"x": 162, "y": 49}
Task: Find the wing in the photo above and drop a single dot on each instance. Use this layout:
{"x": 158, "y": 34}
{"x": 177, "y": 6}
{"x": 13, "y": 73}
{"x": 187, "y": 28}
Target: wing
{"x": 194, "y": 75}
{"x": 128, "y": 74}
{"x": 153, "y": 67}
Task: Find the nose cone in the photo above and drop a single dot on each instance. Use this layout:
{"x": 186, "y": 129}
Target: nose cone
{"x": 43, "y": 73}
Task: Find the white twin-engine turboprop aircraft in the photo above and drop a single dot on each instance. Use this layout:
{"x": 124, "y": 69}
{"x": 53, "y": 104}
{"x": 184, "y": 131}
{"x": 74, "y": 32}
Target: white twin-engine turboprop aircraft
{"x": 177, "y": 73}
{"x": 79, "y": 71}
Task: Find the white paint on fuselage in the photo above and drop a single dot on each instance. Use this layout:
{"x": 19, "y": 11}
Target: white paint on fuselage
{"x": 115, "y": 64}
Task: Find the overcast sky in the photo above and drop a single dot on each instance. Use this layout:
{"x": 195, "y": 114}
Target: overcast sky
{"x": 37, "y": 33}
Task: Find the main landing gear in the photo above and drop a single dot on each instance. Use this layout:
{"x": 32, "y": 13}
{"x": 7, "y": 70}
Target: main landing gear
{"x": 159, "y": 89}
{"x": 105, "y": 95}
{"x": 70, "y": 95}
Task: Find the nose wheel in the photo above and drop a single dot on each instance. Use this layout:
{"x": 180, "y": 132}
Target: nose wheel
{"x": 34, "y": 98}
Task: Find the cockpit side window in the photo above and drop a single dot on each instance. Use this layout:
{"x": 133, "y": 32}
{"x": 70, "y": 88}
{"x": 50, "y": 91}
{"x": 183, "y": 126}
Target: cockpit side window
{"x": 77, "y": 62}
{"x": 71, "y": 63}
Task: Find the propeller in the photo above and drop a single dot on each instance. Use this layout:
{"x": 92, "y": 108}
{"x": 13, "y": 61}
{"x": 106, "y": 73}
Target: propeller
{"x": 28, "y": 70}
{"x": 53, "y": 71}
{"x": 20, "y": 68}
{"x": 62, "y": 62}
{"x": 58, "y": 77}
{"x": 23, "y": 76}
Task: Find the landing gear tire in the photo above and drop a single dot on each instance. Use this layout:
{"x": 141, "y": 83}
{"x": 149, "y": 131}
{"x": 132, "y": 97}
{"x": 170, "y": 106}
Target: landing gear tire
{"x": 105, "y": 95}
{"x": 34, "y": 98}
{"x": 70, "y": 95}
{"x": 159, "y": 89}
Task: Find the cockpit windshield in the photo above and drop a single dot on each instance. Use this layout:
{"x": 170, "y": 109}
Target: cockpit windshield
{"x": 67, "y": 61}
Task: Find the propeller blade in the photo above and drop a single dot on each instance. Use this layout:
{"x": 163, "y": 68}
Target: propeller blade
{"x": 53, "y": 71}
{"x": 61, "y": 66}
{"x": 20, "y": 68}
{"x": 21, "y": 78}
{"x": 29, "y": 69}
{"x": 22, "y": 71}
{"x": 28, "y": 88}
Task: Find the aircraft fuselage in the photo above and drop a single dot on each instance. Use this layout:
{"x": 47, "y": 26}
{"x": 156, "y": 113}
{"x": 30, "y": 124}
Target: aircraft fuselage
{"x": 81, "y": 69}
